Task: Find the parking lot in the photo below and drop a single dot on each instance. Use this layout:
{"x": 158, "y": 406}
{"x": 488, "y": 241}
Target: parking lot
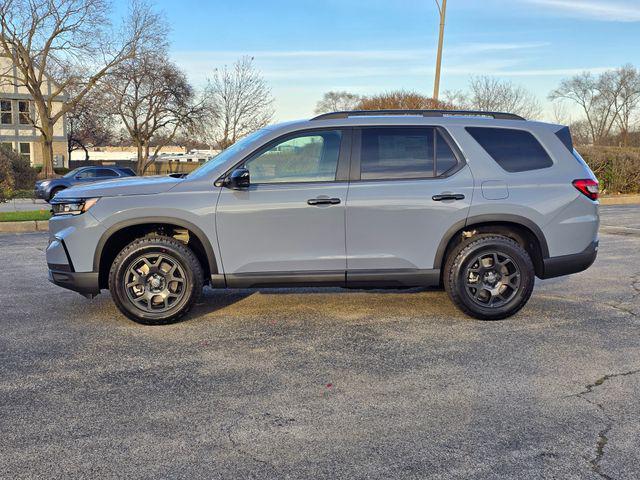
{"x": 312, "y": 383}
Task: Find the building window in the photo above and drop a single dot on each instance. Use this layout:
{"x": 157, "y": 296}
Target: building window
{"x": 24, "y": 114}
{"x": 8, "y": 145}
{"x": 25, "y": 151}
{"x": 5, "y": 112}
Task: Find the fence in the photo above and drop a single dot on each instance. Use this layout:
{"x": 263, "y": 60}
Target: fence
{"x": 156, "y": 168}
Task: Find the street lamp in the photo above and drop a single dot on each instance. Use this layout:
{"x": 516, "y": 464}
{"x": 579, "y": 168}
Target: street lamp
{"x": 443, "y": 10}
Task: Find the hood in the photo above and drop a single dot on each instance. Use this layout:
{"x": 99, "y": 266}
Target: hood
{"x": 122, "y": 186}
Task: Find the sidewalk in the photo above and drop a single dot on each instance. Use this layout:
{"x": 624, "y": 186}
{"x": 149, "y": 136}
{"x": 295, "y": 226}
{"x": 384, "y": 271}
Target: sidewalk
{"x": 23, "y": 204}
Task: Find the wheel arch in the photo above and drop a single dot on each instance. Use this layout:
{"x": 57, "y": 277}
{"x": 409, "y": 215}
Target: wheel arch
{"x": 122, "y": 233}
{"x": 520, "y": 229}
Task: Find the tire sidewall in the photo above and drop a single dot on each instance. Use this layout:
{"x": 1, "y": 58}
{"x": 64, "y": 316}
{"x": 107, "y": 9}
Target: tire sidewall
{"x": 517, "y": 254}
{"x": 118, "y": 290}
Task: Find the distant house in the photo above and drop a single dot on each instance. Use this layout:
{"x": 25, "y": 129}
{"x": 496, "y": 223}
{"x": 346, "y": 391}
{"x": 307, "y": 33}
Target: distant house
{"x": 16, "y": 110}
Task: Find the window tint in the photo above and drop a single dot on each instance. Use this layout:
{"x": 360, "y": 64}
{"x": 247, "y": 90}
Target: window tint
{"x": 513, "y": 150}
{"x": 89, "y": 173}
{"x": 105, "y": 172}
{"x": 406, "y": 152}
{"x": 312, "y": 157}
{"x": 445, "y": 158}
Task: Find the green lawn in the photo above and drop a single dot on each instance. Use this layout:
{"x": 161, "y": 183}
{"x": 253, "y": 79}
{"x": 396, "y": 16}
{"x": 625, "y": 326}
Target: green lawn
{"x": 24, "y": 216}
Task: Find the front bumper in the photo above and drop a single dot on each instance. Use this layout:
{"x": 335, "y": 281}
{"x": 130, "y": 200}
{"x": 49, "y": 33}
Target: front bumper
{"x": 568, "y": 264}
{"x": 41, "y": 193}
{"x": 85, "y": 283}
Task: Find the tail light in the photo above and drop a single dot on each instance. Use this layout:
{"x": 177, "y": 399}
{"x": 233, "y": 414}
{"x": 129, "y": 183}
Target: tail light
{"x": 587, "y": 187}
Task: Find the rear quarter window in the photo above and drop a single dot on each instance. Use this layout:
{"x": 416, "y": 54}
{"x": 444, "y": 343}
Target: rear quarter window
{"x": 513, "y": 150}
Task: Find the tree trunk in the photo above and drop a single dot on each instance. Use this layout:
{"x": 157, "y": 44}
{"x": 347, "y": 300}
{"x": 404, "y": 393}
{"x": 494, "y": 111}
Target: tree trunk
{"x": 140, "y": 156}
{"x": 47, "y": 154}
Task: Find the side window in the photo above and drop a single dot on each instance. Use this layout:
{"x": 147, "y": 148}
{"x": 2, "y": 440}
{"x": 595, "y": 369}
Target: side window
{"x": 89, "y": 173}
{"x": 406, "y": 152}
{"x": 105, "y": 172}
{"x": 513, "y": 150}
{"x": 311, "y": 157}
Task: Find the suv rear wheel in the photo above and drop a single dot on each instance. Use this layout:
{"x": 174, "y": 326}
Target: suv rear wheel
{"x": 489, "y": 277}
{"x": 155, "y": 280}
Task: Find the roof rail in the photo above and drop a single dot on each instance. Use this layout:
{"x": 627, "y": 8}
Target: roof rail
{"x": 424, "y": 113}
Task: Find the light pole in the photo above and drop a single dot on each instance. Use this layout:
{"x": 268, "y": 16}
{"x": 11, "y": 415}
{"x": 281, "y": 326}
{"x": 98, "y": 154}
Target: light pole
{"x": 443, "y": 10}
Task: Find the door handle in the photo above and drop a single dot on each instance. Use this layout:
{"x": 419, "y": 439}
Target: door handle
{"x": 447, "y": 196}
{"x": 323, "y": 201}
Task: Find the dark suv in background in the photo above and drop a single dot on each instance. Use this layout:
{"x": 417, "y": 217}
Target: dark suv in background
{"x": 47, "y": 189}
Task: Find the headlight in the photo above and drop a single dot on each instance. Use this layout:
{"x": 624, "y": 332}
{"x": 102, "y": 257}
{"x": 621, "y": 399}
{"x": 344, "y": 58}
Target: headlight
{"x": 72, "y": 206}
{"x": 44, "y": 184}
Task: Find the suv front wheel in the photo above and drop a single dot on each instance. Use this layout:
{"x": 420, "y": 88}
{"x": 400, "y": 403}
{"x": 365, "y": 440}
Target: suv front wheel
{"x": 155, "y": 280}
{"x": 489, "y": 277}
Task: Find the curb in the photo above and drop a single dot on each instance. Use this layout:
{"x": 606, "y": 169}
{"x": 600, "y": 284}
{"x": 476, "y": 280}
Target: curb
{"x": 24, "y": 227}
{"x": 620, "y": 200}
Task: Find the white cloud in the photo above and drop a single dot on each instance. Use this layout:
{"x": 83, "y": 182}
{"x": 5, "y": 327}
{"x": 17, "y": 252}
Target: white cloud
{"x": 612, "y": 11}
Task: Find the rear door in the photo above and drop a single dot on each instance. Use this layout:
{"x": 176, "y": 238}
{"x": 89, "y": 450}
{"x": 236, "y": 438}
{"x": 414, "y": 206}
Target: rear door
{"x": 409, "y": 186}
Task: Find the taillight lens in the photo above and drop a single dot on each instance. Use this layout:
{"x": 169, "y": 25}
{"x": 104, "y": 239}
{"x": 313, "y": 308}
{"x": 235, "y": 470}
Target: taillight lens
{"x": 587, "y": 187}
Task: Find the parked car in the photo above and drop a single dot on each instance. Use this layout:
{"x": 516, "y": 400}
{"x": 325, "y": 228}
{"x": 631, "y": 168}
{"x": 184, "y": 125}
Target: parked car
{"x": 478, "y": 203}
{"x": 47, "y": 189}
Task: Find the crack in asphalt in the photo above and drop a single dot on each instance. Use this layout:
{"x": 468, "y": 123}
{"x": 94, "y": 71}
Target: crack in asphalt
{"x": 602, "y": 439}
{"x": 237, "y": 446}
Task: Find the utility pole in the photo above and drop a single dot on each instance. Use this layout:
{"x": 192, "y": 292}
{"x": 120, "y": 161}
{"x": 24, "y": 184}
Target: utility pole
{"x": 443, "y": 10}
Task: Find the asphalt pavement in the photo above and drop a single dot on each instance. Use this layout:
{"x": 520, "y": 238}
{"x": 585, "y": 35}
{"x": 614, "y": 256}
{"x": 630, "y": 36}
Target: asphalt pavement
{"x": 313, "y": 383}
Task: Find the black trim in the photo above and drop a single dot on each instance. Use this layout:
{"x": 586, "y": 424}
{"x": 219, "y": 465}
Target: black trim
{"x": 85, "y": 283}
{"x": 489, "y": 218}
{"x": 66, "y": 252}
{"x": 213, "y": 267}
{"x": 424, "y": 113}
{"x": 568, "y": 264}
{"x": 286, "y": 279}
{"x": 400, "y": 278}
{"x": 60, "y": 267}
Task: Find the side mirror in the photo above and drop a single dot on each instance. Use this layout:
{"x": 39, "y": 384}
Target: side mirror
{"x": 239, "y": 179}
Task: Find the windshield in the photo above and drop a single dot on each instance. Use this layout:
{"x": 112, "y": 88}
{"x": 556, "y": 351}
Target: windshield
{"x": 72, "y": 172}
{"x": 226, "y": 154}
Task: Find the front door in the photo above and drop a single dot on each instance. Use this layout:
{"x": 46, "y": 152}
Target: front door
{"x": 289, "y": 225}
{"x": 410, "y": 186}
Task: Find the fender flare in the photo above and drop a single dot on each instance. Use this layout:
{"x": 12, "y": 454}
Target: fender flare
{"x": 489, "y": 218}
{"x": 202, "y": 237}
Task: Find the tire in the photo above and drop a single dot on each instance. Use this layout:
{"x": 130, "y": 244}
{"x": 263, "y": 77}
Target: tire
{"x": 489, "y": 277}
{"x": 155, "y": 280}
{"x": 54, "y": 192}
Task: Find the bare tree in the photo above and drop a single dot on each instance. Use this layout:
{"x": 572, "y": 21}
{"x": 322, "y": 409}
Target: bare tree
{"x": 337, "y": 101}
{"x": 627, "y": 100}
{"x": 400, "y": 99}
{"x": 494, "y": 95}
{"x": 239, "y": 102}
{"x": 154, "y": 101}
{"x": 596, "y": 96}
{"x": 560, "y": 114}
{"x": 72, "y": 43}
{"x": 89, "y": 124}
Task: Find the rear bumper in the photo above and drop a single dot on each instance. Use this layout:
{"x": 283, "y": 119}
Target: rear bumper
{"x": 567, "y": 264}
{"x": 85, "y": 283}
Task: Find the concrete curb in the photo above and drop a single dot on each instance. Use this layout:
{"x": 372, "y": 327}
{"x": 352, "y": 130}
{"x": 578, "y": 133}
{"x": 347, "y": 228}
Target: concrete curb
{"x": 620, "y": 200}
{"x": 24, "y": 227}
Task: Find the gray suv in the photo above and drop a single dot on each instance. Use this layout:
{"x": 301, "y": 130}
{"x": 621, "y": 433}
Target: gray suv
{"x": 478, "y": 203}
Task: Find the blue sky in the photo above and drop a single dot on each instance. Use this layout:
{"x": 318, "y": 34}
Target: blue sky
{"x": 305, "y": 48}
